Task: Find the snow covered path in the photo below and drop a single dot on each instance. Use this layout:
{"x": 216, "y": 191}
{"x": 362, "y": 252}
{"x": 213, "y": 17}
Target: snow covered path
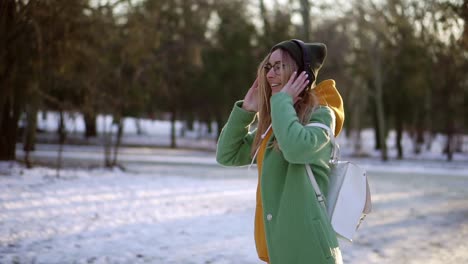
{"x": 204, "y": 214}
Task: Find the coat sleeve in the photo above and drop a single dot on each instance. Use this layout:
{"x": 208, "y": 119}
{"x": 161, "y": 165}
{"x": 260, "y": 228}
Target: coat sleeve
{"x": 235, "y": 141}
{"x": 298, "y": 143}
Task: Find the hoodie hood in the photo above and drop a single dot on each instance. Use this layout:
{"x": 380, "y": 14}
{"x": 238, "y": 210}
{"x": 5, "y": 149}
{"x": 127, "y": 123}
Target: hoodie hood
{"x": 329, "y": 96}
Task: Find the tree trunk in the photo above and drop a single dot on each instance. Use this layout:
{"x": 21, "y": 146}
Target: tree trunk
{"x": 458, "y": 147}
{"x": 190, "y": 120}
{"x": 376, "y": 131}
{"x": 173, "y": 129}
{"x": 220, "y": 124}
{"x": 90, "y": 125}
{"x": 448, "y": 147}
{"x": 450, "y": 136}
{"x": 183, "y": 129}
{"x": 419, "y": 140}
{"x": 108, "y": 149}
{"x": 62, "y": 136}
{"x": 200, "y": 134}
{"x": 381, "y": 122}
{"x": 8, "y": 128}
{"x": 426, "y": 130}
{"x": 399, "y": 136}
{"x": 266, "y": 23}
{"x": 31, "y": 125}
{"x": 8, "y": 65}
{"x": 118, "y": 140}
{"x": 464, "y": 15}
{"x": 354, "y": 131}
{"x": 358, "y": 143}
{"x": 138, "y": 126}
{"x": 356, "y": 128}
{"x": 209, "y": 125}
{"x": 378, "y": 84}
{"x": 107, "y": 142}
{"x": 30, "y": 131}
{"x": 305, "y": 13}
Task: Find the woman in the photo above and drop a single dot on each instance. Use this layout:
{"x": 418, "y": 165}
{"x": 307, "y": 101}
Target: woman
{"x": 290, "y": 225}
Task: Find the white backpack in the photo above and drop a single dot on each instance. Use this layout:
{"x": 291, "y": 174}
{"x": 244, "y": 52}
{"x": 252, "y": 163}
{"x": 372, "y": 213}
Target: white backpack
{"x": 349, "y": 199}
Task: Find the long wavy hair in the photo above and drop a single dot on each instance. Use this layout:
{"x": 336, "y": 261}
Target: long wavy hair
{"x": 304, "y": 107}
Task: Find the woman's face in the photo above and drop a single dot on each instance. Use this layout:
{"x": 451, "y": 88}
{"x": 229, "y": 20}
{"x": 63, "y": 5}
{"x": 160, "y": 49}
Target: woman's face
{"x": 274, "y": 69}
{"x": 277, "y": 66}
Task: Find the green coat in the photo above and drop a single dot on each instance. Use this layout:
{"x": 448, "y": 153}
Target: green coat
{"x": 297, "y": 229}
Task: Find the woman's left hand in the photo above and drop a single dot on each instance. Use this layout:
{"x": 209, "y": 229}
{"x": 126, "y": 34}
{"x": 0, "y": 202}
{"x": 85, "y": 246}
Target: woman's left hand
{"x": 295, "y": 86}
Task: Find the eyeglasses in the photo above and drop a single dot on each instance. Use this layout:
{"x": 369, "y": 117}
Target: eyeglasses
{"x": 276, "y": 67}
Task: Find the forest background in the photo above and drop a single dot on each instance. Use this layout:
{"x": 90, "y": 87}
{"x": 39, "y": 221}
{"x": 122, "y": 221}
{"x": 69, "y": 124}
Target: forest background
{"x": 400, "y": 65}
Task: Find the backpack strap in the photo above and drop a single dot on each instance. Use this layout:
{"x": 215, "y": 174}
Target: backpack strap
{"x": 335, "y": 155}
{"x": 333, "y": 159}
{"x": 318, "y": 193}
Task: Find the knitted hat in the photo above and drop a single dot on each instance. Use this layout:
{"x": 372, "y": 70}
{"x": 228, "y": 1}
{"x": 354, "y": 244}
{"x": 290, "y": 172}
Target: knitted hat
{"x": 317, "y": 53}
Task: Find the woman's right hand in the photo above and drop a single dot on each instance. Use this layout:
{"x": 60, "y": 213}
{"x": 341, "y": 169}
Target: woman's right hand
{"x": 251, "y": 98}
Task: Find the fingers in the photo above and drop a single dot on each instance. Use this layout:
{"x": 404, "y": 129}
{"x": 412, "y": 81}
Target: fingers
{"x": 255, "y": 84}
{"x": 299, "y": 83}
{"x": 296, "y": 84}
{"x": 291, "y": 79}
{"x": 253, "y": 88}
{"x": 250, "y": 99}
{"x": 302, "y": 78}
{"x": 251, "y": 93}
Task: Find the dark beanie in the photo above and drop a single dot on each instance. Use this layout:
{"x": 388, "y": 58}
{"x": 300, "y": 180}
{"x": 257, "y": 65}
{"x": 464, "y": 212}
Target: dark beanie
{"x": 317, "y": 51}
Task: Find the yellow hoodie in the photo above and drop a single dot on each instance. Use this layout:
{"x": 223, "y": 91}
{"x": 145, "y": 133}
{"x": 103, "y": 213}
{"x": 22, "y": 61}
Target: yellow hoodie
{"x": 328, "y": 95}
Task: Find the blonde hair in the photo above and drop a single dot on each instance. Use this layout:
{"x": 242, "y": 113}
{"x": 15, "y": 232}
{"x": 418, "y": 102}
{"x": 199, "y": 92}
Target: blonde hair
{"x": 304, "y": 106}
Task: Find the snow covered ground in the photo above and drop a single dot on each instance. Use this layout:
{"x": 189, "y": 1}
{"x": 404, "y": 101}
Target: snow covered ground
{"x": 179, "y": 206}
{"x": 166, "y": 210}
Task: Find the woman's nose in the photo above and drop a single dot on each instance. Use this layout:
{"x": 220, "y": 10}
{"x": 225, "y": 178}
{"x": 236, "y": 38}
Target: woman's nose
{"x": 270, "y": 73}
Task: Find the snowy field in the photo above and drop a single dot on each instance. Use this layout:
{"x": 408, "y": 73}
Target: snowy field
{"x": 162, "y": 211}
{"x": 179, "y": 206}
